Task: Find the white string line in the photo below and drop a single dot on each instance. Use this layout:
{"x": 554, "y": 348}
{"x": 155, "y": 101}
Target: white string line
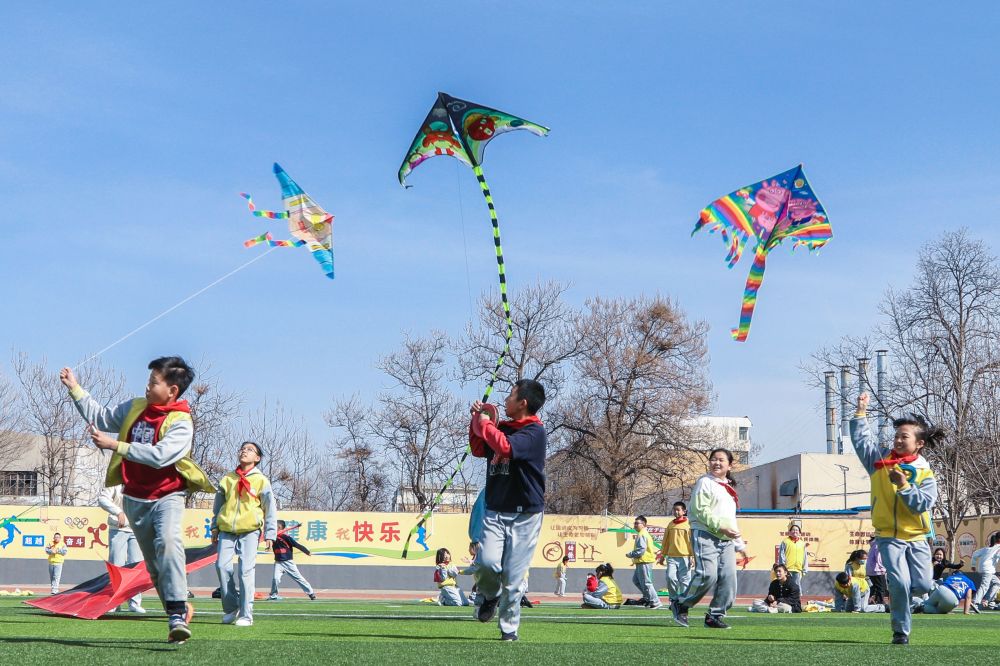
{"x": 174, "y": 307}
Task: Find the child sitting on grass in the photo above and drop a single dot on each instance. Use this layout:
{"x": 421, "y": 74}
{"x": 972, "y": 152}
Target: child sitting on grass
{"x": 607, "y": 593}
{"x": 850, "y": 595}
{"x": 449, "y": 593}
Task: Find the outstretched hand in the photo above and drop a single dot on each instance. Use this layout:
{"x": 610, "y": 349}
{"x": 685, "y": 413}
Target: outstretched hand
{"x": 863, "y": 401}
{"x": 67, "y": 378}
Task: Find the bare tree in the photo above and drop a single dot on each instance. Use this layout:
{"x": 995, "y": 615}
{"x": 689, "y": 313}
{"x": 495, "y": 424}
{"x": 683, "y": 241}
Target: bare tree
{"x": 419, "y": 423}
{"x": 49, "y": 414}
{"x": 291, "y": 460}
{"x": 637, "y": 385}
{"x": 213, "y": 413}
{"x": 358, "y": 482}
{"x": 12, "y": 440}
{"x": 545, "y": 338}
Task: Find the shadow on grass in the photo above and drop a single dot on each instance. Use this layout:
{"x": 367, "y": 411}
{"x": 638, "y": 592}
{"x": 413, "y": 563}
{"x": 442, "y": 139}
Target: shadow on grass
{"x": 118, "y": 645}
{"x": 747, "y": 639}
{"x": 405, "y": 637}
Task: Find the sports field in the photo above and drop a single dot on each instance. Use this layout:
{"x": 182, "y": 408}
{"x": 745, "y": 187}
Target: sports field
{"x": 395, "y": 633}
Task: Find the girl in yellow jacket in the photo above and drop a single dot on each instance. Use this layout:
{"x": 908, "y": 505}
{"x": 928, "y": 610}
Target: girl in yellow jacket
{"x": 607, "y": 594}
{"x": 903, "y": 492}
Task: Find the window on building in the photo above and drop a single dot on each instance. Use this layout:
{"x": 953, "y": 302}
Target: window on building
{"x": 742, "y": 457}
{"x": 744, "y": 434}
{"x": 19, "y": 483}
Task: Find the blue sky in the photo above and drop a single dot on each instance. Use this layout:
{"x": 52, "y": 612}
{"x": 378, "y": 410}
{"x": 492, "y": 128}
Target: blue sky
{"x": 127, "y": 131}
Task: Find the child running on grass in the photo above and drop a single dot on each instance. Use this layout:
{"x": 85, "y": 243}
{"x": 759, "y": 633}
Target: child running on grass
{"x": 716, "y": 539}
{"x": 676, "y": 553}
{"x": 643, "y": 555}
{"x": 151, "y": 457}
{"x": 244, "y": 508}
{"x": 515, "y": 499}
{"x": 606, "y": 594}
{"x": 903, "y": 491}
{"x": 282, "y": 547}
{"x": 445, "y": 575}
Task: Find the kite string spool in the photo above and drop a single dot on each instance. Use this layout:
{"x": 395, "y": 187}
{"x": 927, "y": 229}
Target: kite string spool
{"x": 172, "y": 308}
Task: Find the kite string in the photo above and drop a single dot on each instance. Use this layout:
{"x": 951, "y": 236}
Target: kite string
{"x": 173, "y": 307}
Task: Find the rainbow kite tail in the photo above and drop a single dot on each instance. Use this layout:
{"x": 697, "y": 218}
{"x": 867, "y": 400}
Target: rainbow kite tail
{"x": 273, "y": 215}
{"x": 750, "y": 294}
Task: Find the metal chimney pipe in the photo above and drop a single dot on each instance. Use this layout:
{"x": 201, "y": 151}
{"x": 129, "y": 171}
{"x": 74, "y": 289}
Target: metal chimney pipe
{"x": 845, "y": 409}
{"x": 831, "y": 411}
{"x": 883, "y": 418}
{"x": 862, "y": 375}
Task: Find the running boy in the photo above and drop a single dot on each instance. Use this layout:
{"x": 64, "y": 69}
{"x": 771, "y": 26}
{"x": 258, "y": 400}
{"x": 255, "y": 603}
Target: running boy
{"x": 515, "y": 499}
{"x": 676, "y": 551}
{"x": 282, "y": 547}
{"x": 903, "y": 491}
{"x": 151, "y": 457}
{"x": 56, "y": 552}
{"x": 643, "y": 555}
{"x": 244, "y": 505}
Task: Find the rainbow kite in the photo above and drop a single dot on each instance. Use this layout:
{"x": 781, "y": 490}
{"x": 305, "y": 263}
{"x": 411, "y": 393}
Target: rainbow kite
{"x": 461, "y": 130}
{"x": 308, "y": 223}
{"x": 772, "y": 210}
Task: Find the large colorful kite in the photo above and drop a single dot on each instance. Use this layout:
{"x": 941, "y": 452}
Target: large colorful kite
{"x": 462, "y": 129}
{"x": 308, "y": 223}
{"x": 775, "y": 209}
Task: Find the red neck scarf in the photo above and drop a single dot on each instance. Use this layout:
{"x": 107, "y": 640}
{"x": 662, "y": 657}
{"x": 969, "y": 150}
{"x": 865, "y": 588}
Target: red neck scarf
{"x": 160, "y": 411}
{"x": 517, "y": 424}
{"x": 242, "y": 484}
{"x": 892, "y": 460}
{"x": 729, "y": 489}
{"x": 678, "y": 521}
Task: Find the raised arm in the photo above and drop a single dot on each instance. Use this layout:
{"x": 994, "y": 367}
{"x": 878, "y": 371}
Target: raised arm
{"x": 865, "y": 443}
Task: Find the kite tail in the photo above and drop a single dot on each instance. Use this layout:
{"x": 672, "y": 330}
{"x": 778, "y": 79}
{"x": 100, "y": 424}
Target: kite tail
{"x": 274, "y": 215}
{"x": 502, "y": 273}
{"x": 750, "y": 294}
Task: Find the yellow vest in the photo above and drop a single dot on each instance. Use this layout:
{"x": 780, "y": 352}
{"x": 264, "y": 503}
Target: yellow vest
{"x": 241, "y": 513}
{"x": 194, "y": 476}
{"x": 613, "y": 597}
{"x": 862, "y": 584}
{"x": 795, "y": 554}
{"x": 891, "y": 517}
{"x": 54, "y": 557}
{"x": 677, "y": 542}
{"x": 650, "y": 555}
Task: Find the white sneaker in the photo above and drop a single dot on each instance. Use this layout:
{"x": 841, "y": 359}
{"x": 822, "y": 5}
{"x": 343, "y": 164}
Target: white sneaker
{"x": 244, "y": 622}
{"x": 229, "y": 618}
{"x": 136, "y": 608}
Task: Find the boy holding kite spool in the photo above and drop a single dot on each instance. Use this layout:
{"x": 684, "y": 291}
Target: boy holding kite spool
{"x": 515, "y": 499}
{"x": 151, "y": 457}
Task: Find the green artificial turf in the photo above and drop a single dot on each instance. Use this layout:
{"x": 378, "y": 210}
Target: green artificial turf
{"x": 395, "y": 633}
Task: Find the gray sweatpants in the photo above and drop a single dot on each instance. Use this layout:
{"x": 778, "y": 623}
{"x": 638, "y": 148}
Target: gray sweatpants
{"x": 123, "y": 549}
{"x": 909, "y": 572}
{"x": 506, "y": 549}
{"x": 452, "y": 595}
{"x": 55, "y": 574}
{"x": 288, "y": 567}
{"x": 561, "y": 586}
{"x": 594, "y": 602}
{"x": 715, "y": 570}
{"x": 157, "y": 529}
{"x": 986, "y": 587}
{"x": 941, "y": 602}
{"x": 856, "y": 603}
{"x": 643, "y": 581}
{"x": 678, "y": 576}
{"x": 245, "y": 546}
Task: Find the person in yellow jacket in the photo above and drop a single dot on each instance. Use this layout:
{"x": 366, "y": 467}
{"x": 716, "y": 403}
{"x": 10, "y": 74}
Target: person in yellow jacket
{"x": 56, "y": 552}
{"x": 643, "y": 555}
{"x": 792, "y": 553}
{"x": 151, "y": 457}
{"x": 607, "y": 594}
{"x": 244, "y": 511}
{"x": 676, "y": 552}
{"x": 903, "y": 492}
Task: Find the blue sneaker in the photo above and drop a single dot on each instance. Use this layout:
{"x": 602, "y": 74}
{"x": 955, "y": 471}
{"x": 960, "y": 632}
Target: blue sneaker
{"x": 680, "y": 613}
